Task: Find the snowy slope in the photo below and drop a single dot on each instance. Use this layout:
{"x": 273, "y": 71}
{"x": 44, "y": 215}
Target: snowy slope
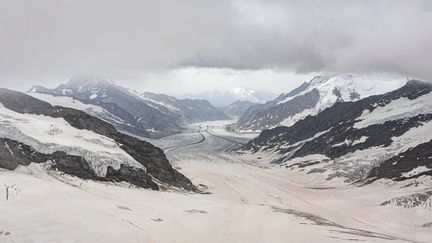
{"x": 189, "y": 110}
{"x": 123, "y": 109}
{"x": 290, "y": 206}
{"x": 142, "y": 114}
{"x": 396, "y": 109}
{"x": 313, "y": 97}
{"x": 341, "y": 89}
{"x": 47, "y": 135}
{"x": 385, "y": 136}
{"x": 70, "y": 102}
{"x": 76, "y": 143}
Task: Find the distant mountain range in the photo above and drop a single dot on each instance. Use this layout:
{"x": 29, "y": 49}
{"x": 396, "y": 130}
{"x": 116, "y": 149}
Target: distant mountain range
{"x": 238, "y": 108}
{"x": 73, "y": 142}
{"x": 224, "y": 98}
{"x": 387, "y": 136}
{"x": 310, "y": 98}
{"x": 142, "y": 114}
{"x": 189, "y": 110}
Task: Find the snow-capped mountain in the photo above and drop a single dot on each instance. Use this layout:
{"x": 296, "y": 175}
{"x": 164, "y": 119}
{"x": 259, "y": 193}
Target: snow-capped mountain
{"x": 238, "y": 108}
{"x": 312, "y": 97}
{"x": 189, "y": 110}
{"x": 142, "y": 114}
{"x": 73, "y": 142}
{"x": 224, "y": 98}
{"x": 385, "y": 136}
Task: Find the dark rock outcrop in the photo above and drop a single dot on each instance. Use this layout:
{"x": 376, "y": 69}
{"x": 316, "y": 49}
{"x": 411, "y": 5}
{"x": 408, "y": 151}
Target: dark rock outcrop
{"x": 136, "y": 116}
{"x": 333, "y": 133}
{"x": 188, "y": 110}
{"x": 394, "y": 168}
{"x": 151, "y": 157}
{"x": 142, "y": 114}
{"x": 238, "y": 108}
{"x": 272, "y": 113}
{"x": 310, "y": 98}
{"x": 377, "y": 135}
{"x": 337, "y": 119}
{"x": 13, "y": 153}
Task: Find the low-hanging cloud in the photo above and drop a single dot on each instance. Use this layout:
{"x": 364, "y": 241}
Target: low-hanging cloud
{"x": 61, "y": 37}
{"x": 335, "y": 36}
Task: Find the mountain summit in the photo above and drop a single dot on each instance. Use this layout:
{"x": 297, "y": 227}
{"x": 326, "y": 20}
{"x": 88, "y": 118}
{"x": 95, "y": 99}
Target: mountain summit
{"x": 386, "y": 136}
{"x": 312, "y": 97}
{"x": 142, "y": 114}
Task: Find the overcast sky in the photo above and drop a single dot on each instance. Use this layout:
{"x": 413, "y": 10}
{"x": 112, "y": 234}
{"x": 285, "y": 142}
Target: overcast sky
{"x": 153, "y": 45}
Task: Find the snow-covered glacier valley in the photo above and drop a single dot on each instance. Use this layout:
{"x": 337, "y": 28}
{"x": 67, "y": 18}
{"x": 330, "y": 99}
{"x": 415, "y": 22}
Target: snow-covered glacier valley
{"x": 243, "y": 198}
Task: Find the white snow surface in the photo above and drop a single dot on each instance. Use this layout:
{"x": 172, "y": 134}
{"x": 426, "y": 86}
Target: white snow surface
{"x": 249, "y": 201}
{"x": 416, "y": 171}
{"x": 47, "y": 135}
{"x": 148, "y": 99}
{"x": 357, "y": 164}
{"x": 346, "y": 84}
{"x": 360, "y": 140}
{"x": 167, "y": 105}
{"x": 70, "y": 102}
{"x": 396, "y": 109}
{"x": 374, "y": 155}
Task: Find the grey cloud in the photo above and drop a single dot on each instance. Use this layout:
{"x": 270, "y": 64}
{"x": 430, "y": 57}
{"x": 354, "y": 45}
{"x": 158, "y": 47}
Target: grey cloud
{"x": 334, "y": 36}
{"x": 57, "y": 38}
{"x": 46, "y": 37}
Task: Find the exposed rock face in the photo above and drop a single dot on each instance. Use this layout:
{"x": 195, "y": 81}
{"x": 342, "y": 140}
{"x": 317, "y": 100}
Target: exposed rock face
{"x": 416, "y": 200}
{"x": 189, "y": 110}
{"x": 13, "y": 153}
{"x": 151, "y": 157}
{"x": 132, "y": 175}
{"x": 400, "y": 167}
{"x": 238, "y": 108}
{"x": 383, "y": 136}
{"x": 134, "y": 114}
{"x": 310, "y": 98}
{"x": 258, "y": 118}
{"x": 376, "y": 135}
{"x": 142, "y": 114}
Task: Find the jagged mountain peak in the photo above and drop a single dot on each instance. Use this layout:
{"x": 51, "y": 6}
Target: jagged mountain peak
{"x": 237, "y": 108}
{"x": 386, "y": 136}
{"x": 78, "y": 144}
{"x": 142, "y": 114}
{"x": 312, "y": 97}
{"x": 88, "y": 80}
{"x": 84, "y": 86}
{"x": 345, "y": 85}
